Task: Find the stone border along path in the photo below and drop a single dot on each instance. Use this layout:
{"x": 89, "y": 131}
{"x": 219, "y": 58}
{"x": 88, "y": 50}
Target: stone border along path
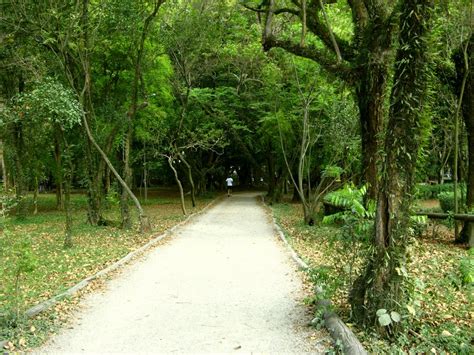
{"x": 225, "y": 285}
{"x": 336, "y": 327}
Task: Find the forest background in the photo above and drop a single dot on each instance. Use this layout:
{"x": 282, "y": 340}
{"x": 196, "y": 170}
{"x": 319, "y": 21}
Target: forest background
{"x": 355, "y": 109}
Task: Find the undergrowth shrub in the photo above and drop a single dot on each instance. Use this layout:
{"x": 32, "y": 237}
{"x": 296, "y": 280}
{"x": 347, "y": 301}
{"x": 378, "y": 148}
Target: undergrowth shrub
{"x": 446, "y": 200}
{"x": 467, "y": 268}
{"x": 426, "y": 191}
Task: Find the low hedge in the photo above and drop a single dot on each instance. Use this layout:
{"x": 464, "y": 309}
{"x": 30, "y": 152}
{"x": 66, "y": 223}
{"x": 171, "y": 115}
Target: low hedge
{"x": 426, "y": 191}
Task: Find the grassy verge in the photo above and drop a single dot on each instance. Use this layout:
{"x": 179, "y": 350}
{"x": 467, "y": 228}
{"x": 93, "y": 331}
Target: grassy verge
{"x": 443, "y": 313}
{"x": 34, "y": 266}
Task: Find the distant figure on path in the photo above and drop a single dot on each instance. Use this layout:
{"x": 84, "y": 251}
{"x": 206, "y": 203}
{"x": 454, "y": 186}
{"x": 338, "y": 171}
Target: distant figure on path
{"x": 229, "y": 181}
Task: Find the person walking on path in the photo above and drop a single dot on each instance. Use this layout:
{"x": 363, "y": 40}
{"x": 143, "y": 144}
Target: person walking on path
{"x": 229, "y": 181}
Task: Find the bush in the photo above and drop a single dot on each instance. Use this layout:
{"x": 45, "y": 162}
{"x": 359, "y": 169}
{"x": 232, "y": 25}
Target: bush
{"x": 426, "y": 192}
{"x": 467, "y": 268}
{"x": 446, "y": 200}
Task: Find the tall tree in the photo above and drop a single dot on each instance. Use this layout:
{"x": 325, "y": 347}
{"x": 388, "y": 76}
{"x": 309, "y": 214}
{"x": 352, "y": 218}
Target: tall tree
{"x": 381, "y": 286}
{"x": 362, "y": 61}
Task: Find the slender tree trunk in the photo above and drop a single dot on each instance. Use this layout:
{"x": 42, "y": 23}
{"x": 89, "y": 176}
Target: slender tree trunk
{"x": 94, "y": 213}
{"x": 68, "y": 174}
{"x": 145, "y": 225}
{"x": 145, "y": 181}
{"x": 59, "y": 174}
{"x": 35, "y": 196}
{"x": 3, "y": 167}
{"x": 381, "y": 286}
{"x": 190, "y": 178}
{"x": 20, "y": 178}
{"x": 126, "y": 218}
{"x": 181, "y": 191}
{"x": 464, "y": 60}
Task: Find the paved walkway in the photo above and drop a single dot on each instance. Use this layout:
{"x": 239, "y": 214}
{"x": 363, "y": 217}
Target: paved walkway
{"x": 223, "y": 284}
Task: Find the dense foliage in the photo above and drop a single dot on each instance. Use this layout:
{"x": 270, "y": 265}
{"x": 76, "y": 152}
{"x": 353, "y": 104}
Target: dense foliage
{"x": 110, "y": 97}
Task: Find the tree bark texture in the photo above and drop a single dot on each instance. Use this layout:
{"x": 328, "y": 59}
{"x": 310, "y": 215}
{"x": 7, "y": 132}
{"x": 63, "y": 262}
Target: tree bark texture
{"x": 380, "y": 286}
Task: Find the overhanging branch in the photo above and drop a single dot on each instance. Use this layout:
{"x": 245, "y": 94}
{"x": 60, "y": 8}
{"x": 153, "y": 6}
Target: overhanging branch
{"x": 342, "y": 70}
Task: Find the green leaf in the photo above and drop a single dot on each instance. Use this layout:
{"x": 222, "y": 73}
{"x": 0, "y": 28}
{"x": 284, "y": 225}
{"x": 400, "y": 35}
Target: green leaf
{"x": 385, "y": 319}
{"x": 381, "y": 312}
{"x": 395, "y": 316}
{"x": 411, "y": 309}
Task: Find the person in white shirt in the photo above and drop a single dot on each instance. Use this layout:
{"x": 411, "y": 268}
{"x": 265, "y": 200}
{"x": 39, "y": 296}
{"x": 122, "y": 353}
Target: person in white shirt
{"x": 229, "y": 181}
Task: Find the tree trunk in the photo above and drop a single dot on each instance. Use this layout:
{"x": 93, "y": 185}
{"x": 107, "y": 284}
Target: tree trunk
{"x": 68, "y": 174}
{"x": 145, "y": 180}
{"x": 85, "y": 97}
{"x": 35, "y": 197}
{"x": 181, "y": 192}
{"x": 59, "y": 174}
{"x": 127, "y": 171}
{"x": 464, "y": 60}
{"x": 381, "y": 284}
{"x": 3, "y": 167}
{"x": 94, "y": 213}
{"x": 20, "y": 178}
{"x": 271, "y": 173}
{"x": 370, "y": 98}
{"x": 191, "y": 180}
{"x": 126, "y": 221}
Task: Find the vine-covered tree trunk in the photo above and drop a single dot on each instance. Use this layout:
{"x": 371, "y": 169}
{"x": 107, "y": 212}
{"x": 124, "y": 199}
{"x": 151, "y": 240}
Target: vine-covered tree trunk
{"x": 370, "y": 98}
{"x": 381, "y": 286}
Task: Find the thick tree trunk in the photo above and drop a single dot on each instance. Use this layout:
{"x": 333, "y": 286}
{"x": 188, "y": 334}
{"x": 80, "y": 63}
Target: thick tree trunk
{"x": 381, "y": 285}
{"x": 370, "y": 98}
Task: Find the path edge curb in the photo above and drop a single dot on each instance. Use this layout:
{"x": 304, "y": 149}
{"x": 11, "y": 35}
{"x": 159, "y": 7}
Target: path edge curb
{"x": 45, "y": 305}
{"x": 337, "y": 328}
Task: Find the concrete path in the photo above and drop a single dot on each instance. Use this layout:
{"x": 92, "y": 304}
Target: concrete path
{"x": 223, "y": 284}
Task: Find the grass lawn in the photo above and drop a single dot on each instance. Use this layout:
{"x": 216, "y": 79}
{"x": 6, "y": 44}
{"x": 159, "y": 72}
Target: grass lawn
{"x": 35, "y": 246}
{"x": 443, "y": 313}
